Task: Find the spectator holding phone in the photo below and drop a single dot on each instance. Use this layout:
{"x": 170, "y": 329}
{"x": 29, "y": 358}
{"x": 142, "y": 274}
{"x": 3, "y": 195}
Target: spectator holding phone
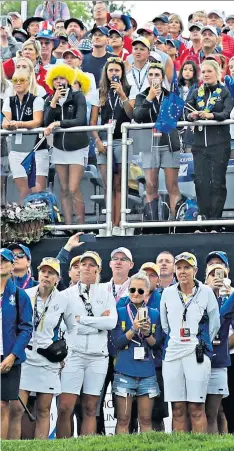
{"x": 8, "y": 44}
{"x": 211, "y": 145}
{"x": 134, "y": 337}
{"x": 190, "y": 317}
{"x": 114, "y": 107}
{"x": 65, "y": 109}
{"x": 167, "y": 154}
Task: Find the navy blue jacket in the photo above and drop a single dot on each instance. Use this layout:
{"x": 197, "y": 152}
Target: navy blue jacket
{"x": 16, "y": 322}
{"x": 221, "y": 356}
{"x": 19, "y": 281}
{"x": 125, "y": 363}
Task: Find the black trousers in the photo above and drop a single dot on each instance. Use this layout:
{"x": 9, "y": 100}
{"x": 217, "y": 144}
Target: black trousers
{"x": 210, "y": 167}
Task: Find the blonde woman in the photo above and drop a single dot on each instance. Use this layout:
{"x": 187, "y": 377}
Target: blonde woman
{"x": 23, "y": 63}
{"x": 211, "y": 145}
{"x": 32, "y": 50}
{"x": 6, "y": 89}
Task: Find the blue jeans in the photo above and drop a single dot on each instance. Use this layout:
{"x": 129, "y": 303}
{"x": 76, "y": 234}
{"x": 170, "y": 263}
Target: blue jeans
{"x": 135, "y": 386}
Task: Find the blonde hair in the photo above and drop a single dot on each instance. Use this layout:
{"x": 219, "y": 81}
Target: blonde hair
{"x": 36, "y": 44}
{"x": 33, "y": 86}
{"x": 175, "y": 16}
{"x": 60, "y": 70}
{"x": 84, "y": 81}
{"x": 215, "y": 66}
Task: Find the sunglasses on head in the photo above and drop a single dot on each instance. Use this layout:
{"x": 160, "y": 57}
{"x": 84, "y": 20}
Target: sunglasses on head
{"x": 113, "y": 59}
{"x": 133, "y": 290}
{"x": 19, "y": 255}
{"x": 19, "y": 80}
{"x": 51, "y": 259}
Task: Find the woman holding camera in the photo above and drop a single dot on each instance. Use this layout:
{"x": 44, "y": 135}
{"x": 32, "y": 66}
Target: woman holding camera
{"x": 114, "y": 107}
{"x": 167, "y": 152}
{"x": 41, "y": 371}
{"x": 135, "y": 338}
{"x": 190, "y": 318}
{"x": 65, "y": 109}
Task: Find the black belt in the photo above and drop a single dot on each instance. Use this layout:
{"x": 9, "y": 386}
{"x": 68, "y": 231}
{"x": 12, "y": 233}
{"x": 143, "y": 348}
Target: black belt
{"x": 29, "y": 347}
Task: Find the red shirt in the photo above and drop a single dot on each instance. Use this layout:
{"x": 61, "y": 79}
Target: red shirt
{"x": 189, "y": 54}
{"x": 127, "y": 43}
{"x": 227, "y": 45}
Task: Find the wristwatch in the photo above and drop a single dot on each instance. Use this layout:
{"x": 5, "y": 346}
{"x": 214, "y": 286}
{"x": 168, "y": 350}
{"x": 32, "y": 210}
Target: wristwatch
{"x": 134, "y": 330}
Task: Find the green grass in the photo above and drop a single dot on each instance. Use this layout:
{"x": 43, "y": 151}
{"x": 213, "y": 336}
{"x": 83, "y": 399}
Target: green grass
{"x": 153, "y": 441}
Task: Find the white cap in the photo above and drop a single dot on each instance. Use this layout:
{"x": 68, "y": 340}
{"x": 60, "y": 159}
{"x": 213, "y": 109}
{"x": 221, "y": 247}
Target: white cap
{"x": 195, "y": 24}
{"x": 217, "y": 12}
{"x": 122, "y": 250}
{"x": 211, "y": 28}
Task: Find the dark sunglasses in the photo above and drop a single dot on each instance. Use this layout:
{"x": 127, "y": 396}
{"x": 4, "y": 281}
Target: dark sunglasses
{"x": 19, "y": 255}
{"x": 139, "y": 290}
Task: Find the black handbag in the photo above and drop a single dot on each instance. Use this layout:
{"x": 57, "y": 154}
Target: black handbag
{"x": 56, "y": 352}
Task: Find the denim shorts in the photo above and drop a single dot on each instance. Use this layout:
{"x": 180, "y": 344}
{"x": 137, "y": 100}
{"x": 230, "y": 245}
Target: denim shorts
{"x": 135, "y": 386}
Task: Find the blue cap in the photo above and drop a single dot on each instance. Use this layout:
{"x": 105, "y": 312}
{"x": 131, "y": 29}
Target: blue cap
{"x": 25, "y": 249}
{"x": 220, "y": 254}
{"x": 161, "y": 39}
{"x": 103, "y": 30}
{"x": 7, "y": 254}
{"x": 175, "y": 42}
{"x": 162, "y": 18}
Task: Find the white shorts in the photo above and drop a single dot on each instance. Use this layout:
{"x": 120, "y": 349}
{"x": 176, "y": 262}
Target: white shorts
{"x": 42, "y": 163}
{"x": 40, "y": 379}
{"x": 73, "y": 157}
{"x": 186, "y": 380}
{"x": 87, "y": 371}
{"x": 218, "y": 383}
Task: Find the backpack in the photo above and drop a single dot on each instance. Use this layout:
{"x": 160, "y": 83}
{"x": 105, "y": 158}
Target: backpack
{"x": 188, "y": 211}
{"x": 48, "y": 199}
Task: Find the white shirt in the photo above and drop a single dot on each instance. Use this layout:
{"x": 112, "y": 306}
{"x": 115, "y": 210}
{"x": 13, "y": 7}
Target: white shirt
{"x": 38, "y": 105}
{"x": 121, "y": 291}
{"x": 138, "y": 80}
{"x": 47, "y": 328}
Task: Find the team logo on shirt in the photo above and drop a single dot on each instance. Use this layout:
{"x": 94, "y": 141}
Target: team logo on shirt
{"x": 12, "y": 299}
{"x": 28, "y": 111}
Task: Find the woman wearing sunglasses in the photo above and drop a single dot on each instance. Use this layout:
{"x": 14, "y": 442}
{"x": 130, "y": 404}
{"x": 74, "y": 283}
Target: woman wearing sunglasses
{"x": 114, "y": 107}
{"x": 66, "y": 108}
{"x": 39, "y": 374}
{"x": 135, "y": 337}
{"x": 25, "y": 110}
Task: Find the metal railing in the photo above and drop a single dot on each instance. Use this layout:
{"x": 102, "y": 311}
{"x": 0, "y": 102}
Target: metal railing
{"x": 108, "y": 210}
{"x": 124, "y": 182}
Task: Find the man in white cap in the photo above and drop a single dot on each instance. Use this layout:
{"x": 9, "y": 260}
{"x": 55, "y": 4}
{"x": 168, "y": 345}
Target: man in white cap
{"x": 192, "y": 54}
{"x": 190, "y": 317}
{"x": 215, "y": 18}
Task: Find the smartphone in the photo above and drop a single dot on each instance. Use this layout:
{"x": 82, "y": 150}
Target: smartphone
{"x": 63, "y": 87}
{"x": 156, "y": 82}
{"x": 87, "y": 238}
{"x": 142, "y": 314}
{"x": 115, "y": 78}
{"x": 4, "y": 21}
{"x": 219, "y": 274}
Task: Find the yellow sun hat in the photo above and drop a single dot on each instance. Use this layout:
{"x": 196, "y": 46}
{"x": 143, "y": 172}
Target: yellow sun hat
{"x": 60, "y": 70}
{"x": 84, "y": 81}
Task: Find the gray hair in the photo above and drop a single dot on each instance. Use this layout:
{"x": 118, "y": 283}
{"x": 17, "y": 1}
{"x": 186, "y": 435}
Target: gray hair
{"x": 141, "y": 275}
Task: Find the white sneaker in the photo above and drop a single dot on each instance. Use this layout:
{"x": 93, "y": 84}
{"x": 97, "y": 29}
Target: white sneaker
{"x": 116, "y": 231}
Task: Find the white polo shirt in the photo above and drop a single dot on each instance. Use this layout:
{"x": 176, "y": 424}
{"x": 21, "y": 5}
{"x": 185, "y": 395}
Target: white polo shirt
{"x": 138, "y": 80}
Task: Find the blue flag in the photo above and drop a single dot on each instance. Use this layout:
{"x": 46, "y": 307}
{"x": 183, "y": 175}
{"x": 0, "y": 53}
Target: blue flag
{"x": 29, "y": 164}
{"x": 229, "y": 82}
{"x": 169, "y": 114}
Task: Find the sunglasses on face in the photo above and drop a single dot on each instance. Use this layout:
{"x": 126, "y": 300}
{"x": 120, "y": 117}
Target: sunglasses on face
{"x": 133, "y": 290}
{"x": 114, "y": 60}
{"x": 19, "y": 255}
{"x": 19, "y": 80}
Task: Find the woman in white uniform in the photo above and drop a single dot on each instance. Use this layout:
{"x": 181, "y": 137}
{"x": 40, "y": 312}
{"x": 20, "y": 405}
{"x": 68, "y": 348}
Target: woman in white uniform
{"x": 39, "y": 374}
{"x": 87, "y": 363}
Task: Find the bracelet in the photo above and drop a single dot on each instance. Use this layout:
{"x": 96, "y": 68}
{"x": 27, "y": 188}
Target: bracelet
{"x": 124, "y": 101}
{"x": 133, "y": 330}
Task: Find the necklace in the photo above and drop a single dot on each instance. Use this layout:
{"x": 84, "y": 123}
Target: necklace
{"x": 211, "y": 101}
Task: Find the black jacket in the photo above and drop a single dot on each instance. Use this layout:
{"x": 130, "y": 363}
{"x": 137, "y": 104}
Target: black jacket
{"x": 73, "y": 113}
{"x": 146, "y": 112}
{"x": 214, "y": 134}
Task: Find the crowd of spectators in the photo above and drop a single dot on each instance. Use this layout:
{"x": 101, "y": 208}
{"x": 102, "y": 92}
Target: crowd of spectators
{"x": 118, "y": 72}
{"x": 160, "y": 336}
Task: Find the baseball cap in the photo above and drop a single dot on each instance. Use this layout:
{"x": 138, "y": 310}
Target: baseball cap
{"x": 114, "y": 30}
{"x": 53, "y": 263}
{"x": 74, "y": 260}
{"x": 161, "y": 39}
{"x": 94, "y": 255}
{"x": 25, "y": 249}
{"x": 231, "y": 16}
{"x": 14, "y": 13}
{"x": 211, "y": 268}
{"x": 85, "y": 46}
{"x": 74, "y": 52}
{"x": 103, "y": 30}
{"x": 175, "y": 42}
{"x": 124, "y": 17}
{"x": 188, "y": 257}
{"x": 217, "y": 12}
{"x": 196, "y": 25}
{"x": 124, "y": 251}
{"x": 145, "y": 28}
{"x": 142, "y": 40}
{"x": 162, "y": 18}
{"x": 7, "y": 254}
{"x": 151, "y": 265}
{"x": 210, "y": 28}
{"x": 220, "y": 254}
